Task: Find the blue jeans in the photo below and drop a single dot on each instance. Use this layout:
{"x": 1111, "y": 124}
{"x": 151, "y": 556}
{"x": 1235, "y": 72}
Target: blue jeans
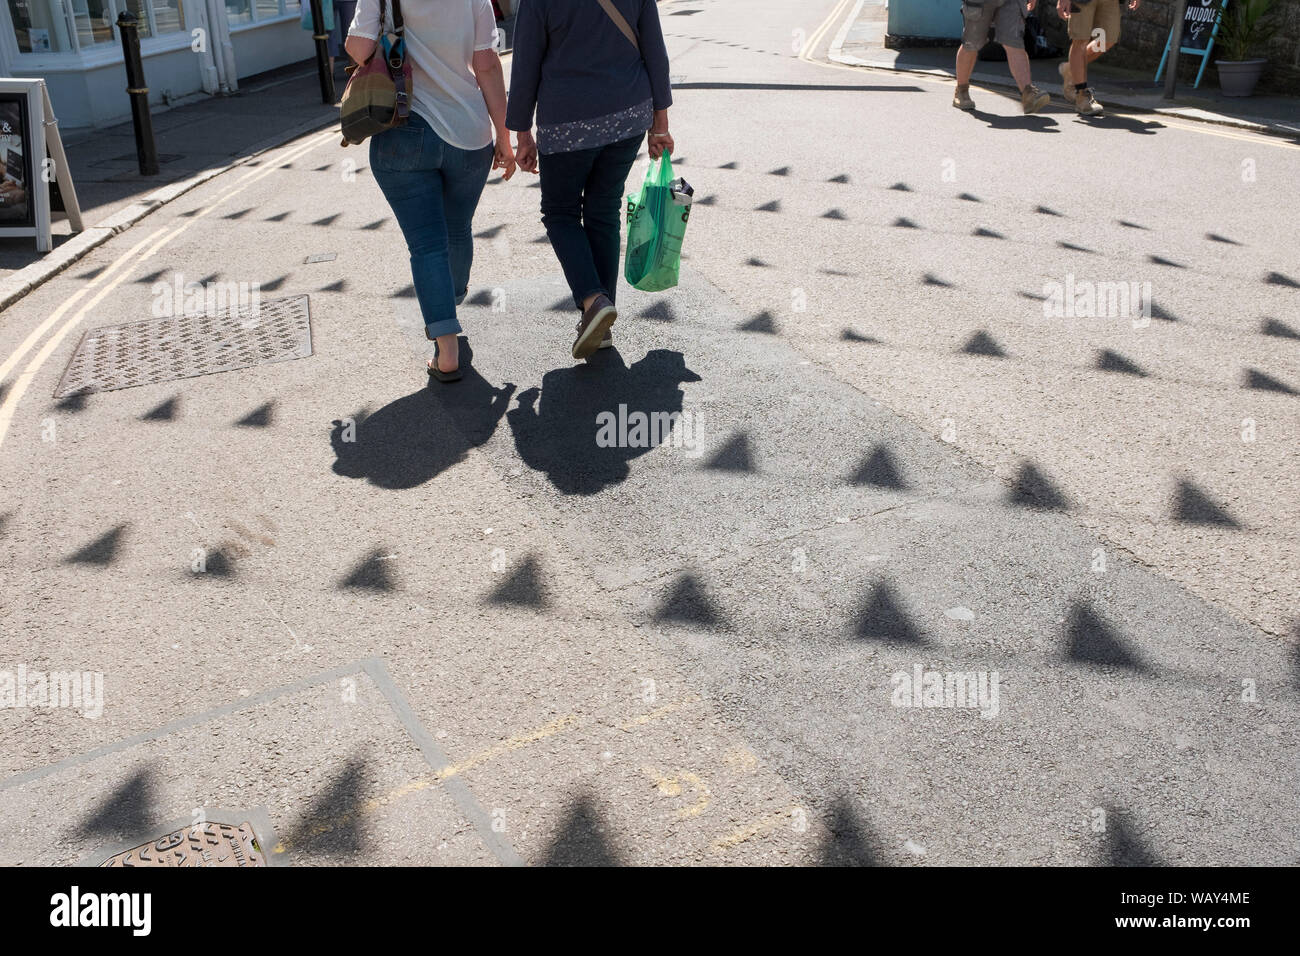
{"x": 433, "y": 188}
{"x": 582, "y": 206}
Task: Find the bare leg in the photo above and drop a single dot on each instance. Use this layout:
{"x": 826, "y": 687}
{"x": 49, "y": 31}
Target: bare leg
{"x": 1018, "y": 60}
{"x": 1081, "y": 54}
{"x": 448, "y": 353}
{"x": 1079, "y": 62}
{"x": 965, "y": 64}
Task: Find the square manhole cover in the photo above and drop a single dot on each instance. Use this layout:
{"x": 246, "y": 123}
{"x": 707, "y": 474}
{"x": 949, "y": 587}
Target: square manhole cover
{"x": 206, "y": 844}
{"x": 185, "y": 346}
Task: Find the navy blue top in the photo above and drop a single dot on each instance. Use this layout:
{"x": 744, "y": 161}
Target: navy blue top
{"x": 579, "y": 72}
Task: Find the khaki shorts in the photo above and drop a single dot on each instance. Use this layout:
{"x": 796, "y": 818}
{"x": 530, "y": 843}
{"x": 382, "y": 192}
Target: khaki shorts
{"x": 1097, "y": 15}
{"x": 1007, "y": 15}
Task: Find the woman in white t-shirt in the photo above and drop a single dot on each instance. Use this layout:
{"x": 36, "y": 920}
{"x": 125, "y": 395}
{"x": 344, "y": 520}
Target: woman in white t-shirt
{"x": 433, "y": 168}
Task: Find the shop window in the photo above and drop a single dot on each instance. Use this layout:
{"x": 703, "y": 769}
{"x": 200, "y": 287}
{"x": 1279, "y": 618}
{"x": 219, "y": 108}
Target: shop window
{"x": 94, "y": 20}
{"x": 41, "y": 26}
{"x": 257, "y": 11}
{"x": 66, "y": 26}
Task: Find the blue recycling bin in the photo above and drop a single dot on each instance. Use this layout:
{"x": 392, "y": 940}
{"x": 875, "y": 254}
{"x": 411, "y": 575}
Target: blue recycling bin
{"x": 931, "y": 19}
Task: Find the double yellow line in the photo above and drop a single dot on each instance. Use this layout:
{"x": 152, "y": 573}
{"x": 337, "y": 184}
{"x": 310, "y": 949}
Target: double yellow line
{"x": 113, "y": 276}
{"x": 814, "y": 41}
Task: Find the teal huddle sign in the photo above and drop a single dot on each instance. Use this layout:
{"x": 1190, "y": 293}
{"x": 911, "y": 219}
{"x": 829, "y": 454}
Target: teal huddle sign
{"x": 1200, "y": 27}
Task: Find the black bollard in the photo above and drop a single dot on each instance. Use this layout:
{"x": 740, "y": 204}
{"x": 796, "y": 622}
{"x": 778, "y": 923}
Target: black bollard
{"x": 146, "y": 150}
{"x": 322, "y": 52}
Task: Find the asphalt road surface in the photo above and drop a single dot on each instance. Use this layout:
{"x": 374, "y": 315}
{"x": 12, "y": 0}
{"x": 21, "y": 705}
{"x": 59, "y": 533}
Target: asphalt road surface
{"x": 403, "y": 624}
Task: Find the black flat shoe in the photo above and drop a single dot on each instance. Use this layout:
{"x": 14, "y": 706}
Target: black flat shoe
{"x": 439, "y": 374}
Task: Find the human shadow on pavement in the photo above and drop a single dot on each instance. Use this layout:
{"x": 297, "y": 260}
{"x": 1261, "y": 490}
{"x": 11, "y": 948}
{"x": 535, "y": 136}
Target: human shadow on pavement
{"x": 556, "y": 428}
{"x": 1035, "y": 123}
{"x": 1132, "y": 124}
{"x": 419, "y": 436}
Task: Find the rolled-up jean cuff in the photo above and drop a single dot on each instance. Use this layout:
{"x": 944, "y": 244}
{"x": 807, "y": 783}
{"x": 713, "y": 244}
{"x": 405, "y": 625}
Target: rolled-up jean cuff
{"x": 445, "y": 327}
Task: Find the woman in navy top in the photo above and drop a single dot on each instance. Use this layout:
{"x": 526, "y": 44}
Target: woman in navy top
{"x": 596, "y": 89}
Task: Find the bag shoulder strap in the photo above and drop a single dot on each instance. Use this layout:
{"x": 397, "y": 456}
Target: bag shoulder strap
{"x": 619, "y": 21}
{"x": 398, "y": 26}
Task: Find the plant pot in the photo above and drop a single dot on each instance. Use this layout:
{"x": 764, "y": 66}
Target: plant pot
{"x": 1238, "y": 77}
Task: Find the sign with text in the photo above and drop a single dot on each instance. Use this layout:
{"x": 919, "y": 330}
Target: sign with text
{"x": 31, "y": 160}
{"x": 1200, "y": 27}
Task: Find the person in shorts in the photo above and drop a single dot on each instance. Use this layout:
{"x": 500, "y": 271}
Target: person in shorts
{"x": 1007, "y": 17}
{"x": 1094, "y": 27}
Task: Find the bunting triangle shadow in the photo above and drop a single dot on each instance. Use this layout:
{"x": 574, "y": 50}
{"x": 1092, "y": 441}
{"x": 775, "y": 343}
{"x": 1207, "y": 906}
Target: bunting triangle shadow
{"x": 523, "y": 587}
{"x": 258, "y": 417}
{"x": 371, "y": 574}
{"x": 1124, "y": 844}
{"x": 733, "y": 456}
{"x": 1254, "y": 378}
{"x": 1033, "y": 489}
{"x": 981, "y": 343}
{"x": 102, "y": 551}
{"x": 661, "y": 311}
{"x": 127, "y": 810}
{"x": 848, "y": 842}
{"x": 884, "y": 618}
{"x": 879, "y": 469}
{"x": 1111, "y": 361}
{"x": 1091, "y": 640}
{"x": 763, "y": 322}
{"x": 689, "y": 603}
{"x": 165, "y": 412}
{"x": 582, "y": 839}
{"x": 1193, "y": 506}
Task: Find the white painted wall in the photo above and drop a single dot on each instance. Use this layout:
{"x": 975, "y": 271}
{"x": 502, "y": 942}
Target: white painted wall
{"x": 93, "y": 94}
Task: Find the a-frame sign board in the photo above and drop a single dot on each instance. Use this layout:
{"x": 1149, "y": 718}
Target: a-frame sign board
{"x": 31, "y": 157}
{"x": 1200, "y": 27}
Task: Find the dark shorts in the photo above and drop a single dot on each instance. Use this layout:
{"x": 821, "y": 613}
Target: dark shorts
{"x": 1007, "y": 16}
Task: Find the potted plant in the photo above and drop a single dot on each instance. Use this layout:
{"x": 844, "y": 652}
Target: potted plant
{"x": 1240, "y": 34}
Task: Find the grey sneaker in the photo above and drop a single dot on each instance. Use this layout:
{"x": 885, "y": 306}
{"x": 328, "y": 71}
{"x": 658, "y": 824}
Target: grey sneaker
{"x": 1067, "y": 83}
{"x": 1033, "y": 99}
{"x": 1086, "y": 103}
{"x": 961, "y": 98}
{"x": 593, "y": 326}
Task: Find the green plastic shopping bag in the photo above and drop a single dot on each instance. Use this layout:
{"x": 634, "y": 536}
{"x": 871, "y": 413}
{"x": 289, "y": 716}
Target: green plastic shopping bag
{"x": 656, "y": 225}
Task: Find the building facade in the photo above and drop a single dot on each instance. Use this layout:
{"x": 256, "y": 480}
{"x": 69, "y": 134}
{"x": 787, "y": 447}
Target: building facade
{"x": 188, "y": 47}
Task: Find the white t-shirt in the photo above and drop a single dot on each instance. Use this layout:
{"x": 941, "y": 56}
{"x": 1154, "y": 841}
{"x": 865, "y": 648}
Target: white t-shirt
{"x": 441, "y": 38}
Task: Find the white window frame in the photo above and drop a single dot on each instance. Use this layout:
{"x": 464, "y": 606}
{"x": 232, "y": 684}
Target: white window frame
{"x": 79, "y": 58}
{"x": 254, "y": 23}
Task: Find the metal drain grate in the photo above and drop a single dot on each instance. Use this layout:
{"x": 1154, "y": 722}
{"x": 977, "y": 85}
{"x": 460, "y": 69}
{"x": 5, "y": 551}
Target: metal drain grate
{"x": 185, "y": 346}
{"x": 206, "y": 844}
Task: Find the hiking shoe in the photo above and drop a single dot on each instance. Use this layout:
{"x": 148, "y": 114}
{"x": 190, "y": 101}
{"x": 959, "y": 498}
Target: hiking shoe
{"x": 593, "y": 326}
{"x": 1067, "y": 84}
{"x": 1085, "y": 102}
{"x": 961, "y": 98}
{"x": 1033, "y": 99}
